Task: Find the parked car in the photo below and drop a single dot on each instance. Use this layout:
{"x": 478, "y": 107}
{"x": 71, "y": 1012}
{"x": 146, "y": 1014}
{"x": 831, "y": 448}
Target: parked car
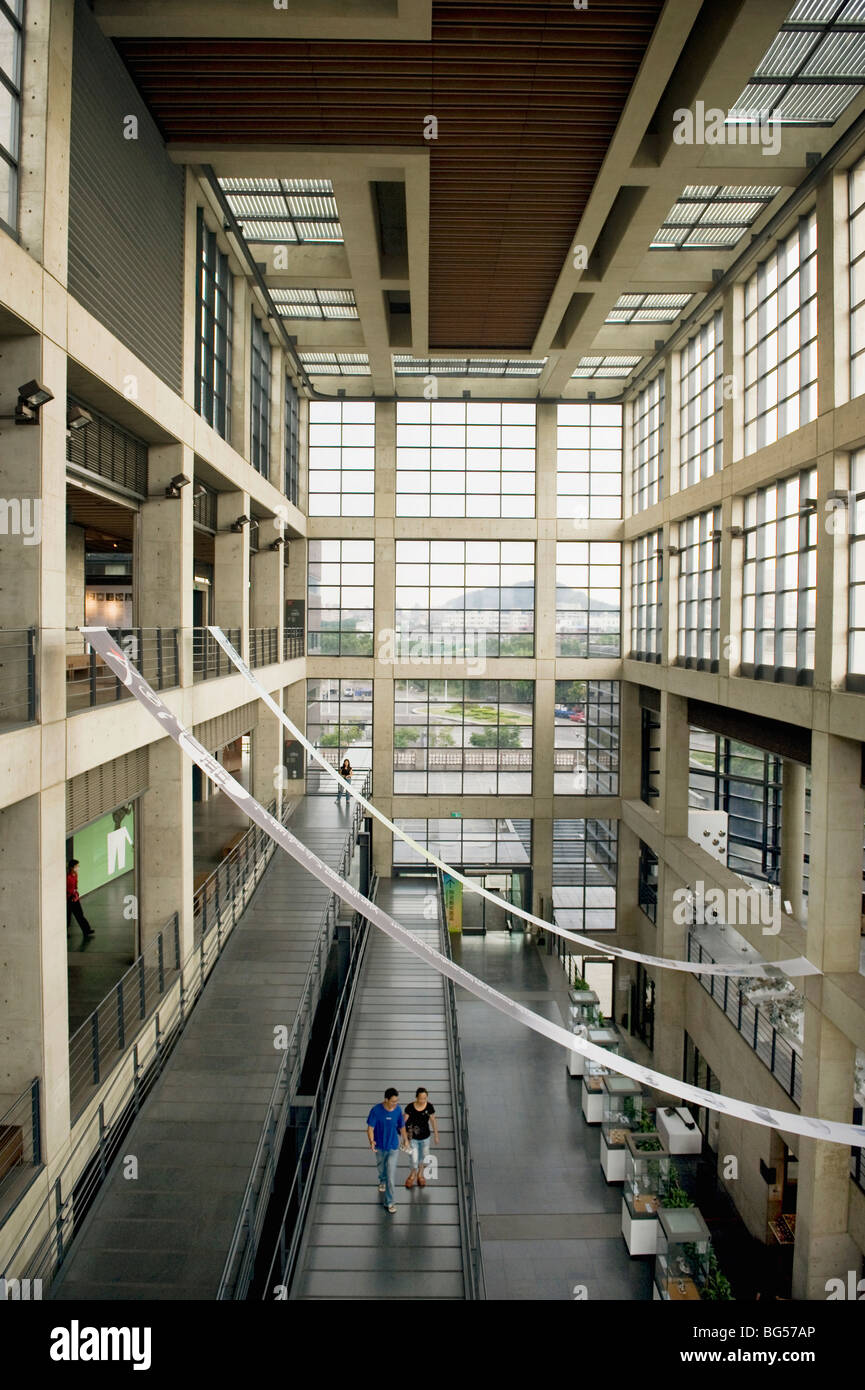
{"x": 577, "y": 716}
{"x": 563, "y": 711}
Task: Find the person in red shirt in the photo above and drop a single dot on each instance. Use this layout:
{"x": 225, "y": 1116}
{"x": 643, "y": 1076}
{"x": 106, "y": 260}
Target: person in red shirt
{"x": 73, "y": 902}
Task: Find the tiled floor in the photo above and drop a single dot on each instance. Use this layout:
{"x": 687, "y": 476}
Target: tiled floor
{"x": 537, "y": 1174}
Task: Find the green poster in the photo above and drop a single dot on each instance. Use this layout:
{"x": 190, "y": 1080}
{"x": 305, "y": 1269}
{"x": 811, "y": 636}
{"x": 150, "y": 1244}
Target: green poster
{"x": 106, "y": 849}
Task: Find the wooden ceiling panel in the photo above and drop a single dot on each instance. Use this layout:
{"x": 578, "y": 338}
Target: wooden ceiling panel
{"x": 527, "y": 97}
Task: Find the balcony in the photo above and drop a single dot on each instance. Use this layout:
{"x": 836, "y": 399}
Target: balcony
{"x": 17, "y": 676}
{"x": 154, "y": 651}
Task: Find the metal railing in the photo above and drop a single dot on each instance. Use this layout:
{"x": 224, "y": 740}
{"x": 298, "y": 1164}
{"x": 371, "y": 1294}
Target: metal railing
{"x": 773, "y": 1049}
{"x": 42, "y": 1248}
{"x": 98, "y": 1044}
{"x": 292, "y": 643}
{"x": 18, "y": 675}
{"x": 154, "y": 651}
{"x": 473, "y": 1264}
{"x": 208, "y": 658}
{"x": 240, "y": 1264}
{"x": 228, "y": 889}
{"x": 20, "y": 1146}
{"x": 857, "y": 1167}
{"x": 263, "y": 646}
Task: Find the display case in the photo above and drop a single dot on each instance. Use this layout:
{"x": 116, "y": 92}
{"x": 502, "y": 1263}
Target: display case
{"x": 592, "y": 1099}
{"x": 679, "y": 1130}
{"x": 647, "y": 1172}
{"x": 623, "y": 1102}
{"x": 682, "y": 1257}
{"x": 582, "y": 1015}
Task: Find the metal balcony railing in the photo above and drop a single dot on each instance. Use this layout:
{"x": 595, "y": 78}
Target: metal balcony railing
{"x": 20, "y": 1147}
{"x": 98, "y": 1044}
{"x": 292, "y": 643}
{"x": 154, "y": 651}
{"x": 263, "y": 646}
{"x": 228, "y": 889}
{"x": 17, "y": 675}
{"x": 208, "y": 658}
{"x": 752, "y": 1022}
{"x": 239, "y": 1270}
{"x": 43, "y": 1246}
{"x": 473, "y": 1265}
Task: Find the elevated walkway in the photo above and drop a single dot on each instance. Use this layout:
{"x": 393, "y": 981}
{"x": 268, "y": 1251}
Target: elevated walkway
{"x": 164, "y": 1233}
{"x": 353, "y": 1249}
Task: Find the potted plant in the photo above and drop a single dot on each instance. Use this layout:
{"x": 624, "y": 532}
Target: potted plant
{"x": 716, "y": 1286}
{"x": 673, "y": 1194}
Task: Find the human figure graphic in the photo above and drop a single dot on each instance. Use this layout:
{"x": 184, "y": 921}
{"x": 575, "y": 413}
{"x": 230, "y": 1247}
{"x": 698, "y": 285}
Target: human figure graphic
{"x": 117, "y": 842}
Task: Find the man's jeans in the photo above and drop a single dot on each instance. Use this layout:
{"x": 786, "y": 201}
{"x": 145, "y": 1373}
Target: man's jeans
{"x": 386, "y": 1161}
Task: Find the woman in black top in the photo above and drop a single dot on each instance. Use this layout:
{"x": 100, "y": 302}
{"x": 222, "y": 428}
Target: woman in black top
{"x": 419, "y": 1116}
{"x": 345, "y": 773}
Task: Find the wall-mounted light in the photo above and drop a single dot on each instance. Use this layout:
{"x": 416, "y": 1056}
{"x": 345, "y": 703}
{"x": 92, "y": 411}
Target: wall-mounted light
{"x": 277, "y": 544}
{"x": 31, "y": 397}
{"x": 673, "y": 550}
{"x": 179, "y": 481}
{"x": 736, "y": 531}
{"x": 239, "y": 524}
{"x": 200, "y": 491}
{"x": 77, "y": 418}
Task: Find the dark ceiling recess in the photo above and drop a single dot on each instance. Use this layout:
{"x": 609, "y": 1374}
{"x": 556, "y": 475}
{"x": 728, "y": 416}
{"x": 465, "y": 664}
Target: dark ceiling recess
{"x": 526, "y": 95}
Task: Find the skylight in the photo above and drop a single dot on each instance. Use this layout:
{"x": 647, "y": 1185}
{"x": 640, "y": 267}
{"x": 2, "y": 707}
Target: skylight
{"x": 468, "y": 366}
{"x": 314, "y": 304}
{"x": 712, "y": 215}
{"x": 608, "y": 365}
{"x": 813, "y": 68}
{"x": 336, "y": 363}
{"x": 284, "y": 210}
{"x": 647, "y": 308}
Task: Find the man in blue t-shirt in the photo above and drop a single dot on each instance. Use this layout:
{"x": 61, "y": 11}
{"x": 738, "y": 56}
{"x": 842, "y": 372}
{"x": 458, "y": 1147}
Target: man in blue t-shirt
{"x": 385, "y": 1130}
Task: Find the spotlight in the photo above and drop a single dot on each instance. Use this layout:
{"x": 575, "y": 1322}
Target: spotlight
{"x": 34, "y": 395}
{"x": 277, "y": 544}
{"x": 179, "y": 481}
{"x": 239, "y": 524}
{"x": 31, "y": 397}
{"x": 77, "y": 418}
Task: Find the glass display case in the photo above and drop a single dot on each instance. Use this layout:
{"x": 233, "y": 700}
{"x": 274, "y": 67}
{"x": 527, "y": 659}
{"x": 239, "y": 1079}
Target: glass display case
{"x": 592, "y": 1098}
{"x": 623, "y": 1103}
{"x": 647, "y": 1172}
{"x": 582, "y": 1015}
{"x": 682, "y": 1256}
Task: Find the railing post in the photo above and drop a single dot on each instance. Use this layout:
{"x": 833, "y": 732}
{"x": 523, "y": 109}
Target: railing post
{"x": 756, "y": 1024}
{"x": 35, "y": 1122}
{"x": 58, "y": 1202}
{"x": 159, "y": 670}
{"x": 94, "y": 1043}
{"x": 121, "y": 1030}
{"x": 142, "y": 987}
{"x": 774, "y": 1040}
{"x": 793, "y": 1079}
{"x": 31, "y": 675}
{"x": 177, "y": 940}
{"x": 160, "y": 964}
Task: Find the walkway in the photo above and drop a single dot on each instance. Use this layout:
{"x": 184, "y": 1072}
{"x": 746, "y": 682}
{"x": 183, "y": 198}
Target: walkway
{"x": 397, "y": 1037}
{"x": 549, "y": 1221}
{"x": 165, "y": 1234}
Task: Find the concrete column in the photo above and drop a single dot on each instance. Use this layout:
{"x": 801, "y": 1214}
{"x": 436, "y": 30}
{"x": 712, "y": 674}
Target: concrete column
{"x": 824, "y": 1249}
{"x": 231, "y": 567}
{"x": 163, "y": 558}
{"x": 384, "y": 599}
{"x": 45, "y": 107}
{"x": 165, "y": 850}
{"x": 542, "y": 865}
{"x": 267, "y": 592}
{"x": 34, "y": 1007}
{"x": 267, "y": 759}
{"x": 673, "y": 782}
{"x": 669, "y": 984}
{"x": 792, "y": 835}
{"x": 294, "y": 704}
{"x": 835, "y": 879}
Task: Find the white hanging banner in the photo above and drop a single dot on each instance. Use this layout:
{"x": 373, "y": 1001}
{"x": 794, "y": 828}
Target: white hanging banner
{"x": 808, "y": 1126}
{"x": 798, "y": 966}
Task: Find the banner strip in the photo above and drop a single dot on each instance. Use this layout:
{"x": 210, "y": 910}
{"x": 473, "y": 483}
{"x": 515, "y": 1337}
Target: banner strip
{"x": 808, "y": 1126}
{"x": 797, "y": 967}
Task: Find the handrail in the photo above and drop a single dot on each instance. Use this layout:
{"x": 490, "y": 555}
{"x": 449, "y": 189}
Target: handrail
{"x": 762, "y": 1037}
{"x": 470, "y": 1233}
{"x": 239, "y": 1268}
{"x": 20, "y": 1144}
{"x": 43, "y": 1246}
